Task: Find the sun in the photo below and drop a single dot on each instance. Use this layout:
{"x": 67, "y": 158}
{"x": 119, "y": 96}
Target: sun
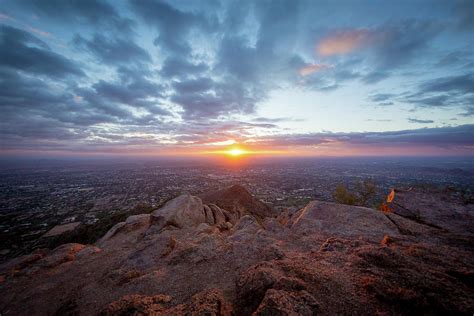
{"x": 235, "y": 152}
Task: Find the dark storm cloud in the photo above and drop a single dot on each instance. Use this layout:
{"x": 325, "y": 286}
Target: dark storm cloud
{"x": 97, "y": 13}
{"x": 113, "y": 50}
{"x": 22, "y": 51}
{"x": 418, "y": 121}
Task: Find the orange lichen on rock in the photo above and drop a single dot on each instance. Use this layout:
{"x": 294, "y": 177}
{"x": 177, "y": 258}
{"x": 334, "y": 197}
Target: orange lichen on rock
{"x": 391, "y": 196}
{"x": 387, "y": 240}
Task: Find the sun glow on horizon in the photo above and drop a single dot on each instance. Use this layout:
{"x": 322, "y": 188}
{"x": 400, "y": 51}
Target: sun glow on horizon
{"x": 236, "y": 152}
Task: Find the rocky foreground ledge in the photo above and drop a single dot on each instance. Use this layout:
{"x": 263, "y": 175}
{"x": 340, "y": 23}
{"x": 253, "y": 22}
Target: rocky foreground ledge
{"x": 226, "y": 253}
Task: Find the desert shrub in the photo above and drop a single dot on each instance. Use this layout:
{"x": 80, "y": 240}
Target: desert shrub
{"x": 343, "y": 196}
{"x": 363, "y": 193}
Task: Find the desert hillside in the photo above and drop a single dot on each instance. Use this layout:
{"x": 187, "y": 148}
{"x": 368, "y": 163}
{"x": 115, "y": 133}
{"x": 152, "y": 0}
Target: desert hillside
{"x": 227, "y": 253}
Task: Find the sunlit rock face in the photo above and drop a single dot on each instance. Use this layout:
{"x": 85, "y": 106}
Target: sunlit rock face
{"x": 193, "y": 256}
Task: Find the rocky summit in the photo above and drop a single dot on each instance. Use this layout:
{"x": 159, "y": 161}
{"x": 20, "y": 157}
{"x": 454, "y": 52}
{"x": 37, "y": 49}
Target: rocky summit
{"x": 227, "y": 253}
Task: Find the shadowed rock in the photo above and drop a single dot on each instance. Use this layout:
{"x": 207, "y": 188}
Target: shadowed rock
{"x": 238, "y": 201}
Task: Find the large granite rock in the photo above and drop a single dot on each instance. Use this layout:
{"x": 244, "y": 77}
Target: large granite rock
{"x": 183, "y": 211}
{"x": 445, "y": 210}
{"x": 342, "y": 220}
{"x": 326, "y": 259}
{"x": 238, "y": 201}
{"x": 130, "y": 229}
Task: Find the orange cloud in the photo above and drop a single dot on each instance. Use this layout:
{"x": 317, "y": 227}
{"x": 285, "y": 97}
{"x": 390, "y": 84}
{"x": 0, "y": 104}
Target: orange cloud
{"x": 312, "y": 68}
{"x": 344, "y": 42}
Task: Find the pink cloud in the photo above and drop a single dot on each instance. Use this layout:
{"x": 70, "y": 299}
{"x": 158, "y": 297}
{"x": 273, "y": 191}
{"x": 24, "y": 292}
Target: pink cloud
{"x": 344, "y": 42}
{"x": 312, "y": 68}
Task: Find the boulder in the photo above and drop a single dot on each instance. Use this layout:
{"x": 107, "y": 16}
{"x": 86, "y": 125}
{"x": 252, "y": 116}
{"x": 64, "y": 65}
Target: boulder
{"x": 326, "y": 258}
{"x": 134, "y": 223}
{"x": 248, "y": 223}
{"x": 238, "y": 201}
{"x": 219, "y": 216}
{"x": 443, "y": 210}
{"x": 61, "y": 229}
{"x": 184, "y": 211}
{"x": 209, "y": 215}
{"x": 342, "y": 220}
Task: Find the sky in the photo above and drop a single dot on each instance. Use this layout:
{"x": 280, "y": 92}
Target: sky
{"x": 297, "y": 78}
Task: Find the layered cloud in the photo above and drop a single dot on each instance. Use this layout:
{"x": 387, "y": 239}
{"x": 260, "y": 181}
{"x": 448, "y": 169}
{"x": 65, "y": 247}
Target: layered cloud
{"x": 23, "y": 51}
{"x": 106, "y": 76}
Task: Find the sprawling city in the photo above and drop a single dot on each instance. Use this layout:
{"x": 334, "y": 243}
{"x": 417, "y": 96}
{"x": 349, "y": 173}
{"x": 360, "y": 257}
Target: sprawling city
{"x": 40, "y": 195}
